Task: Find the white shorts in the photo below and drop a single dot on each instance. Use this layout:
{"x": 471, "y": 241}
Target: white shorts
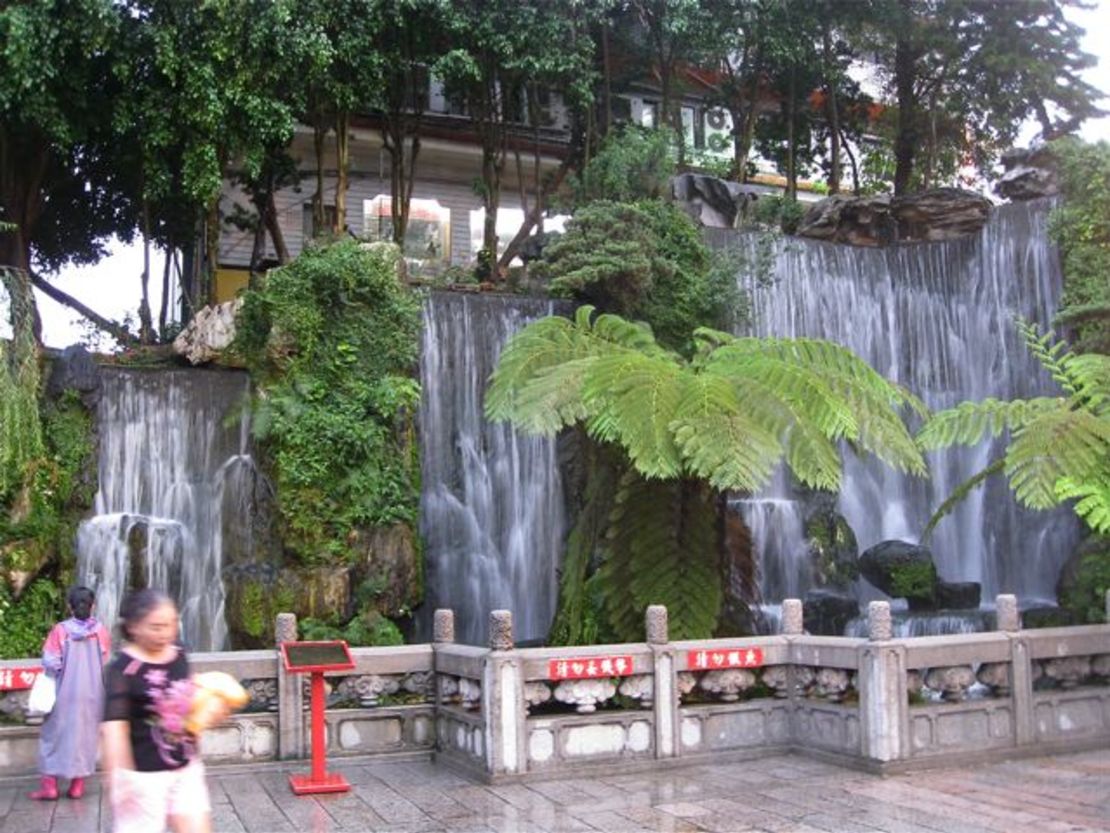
{"x": 143, "y": 801}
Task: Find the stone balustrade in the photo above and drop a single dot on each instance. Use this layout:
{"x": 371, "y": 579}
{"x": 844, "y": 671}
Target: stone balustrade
{"x": 499, "y": 713}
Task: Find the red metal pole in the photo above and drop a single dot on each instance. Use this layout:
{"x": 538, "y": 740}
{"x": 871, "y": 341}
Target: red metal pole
{"x": 318, "y": 771}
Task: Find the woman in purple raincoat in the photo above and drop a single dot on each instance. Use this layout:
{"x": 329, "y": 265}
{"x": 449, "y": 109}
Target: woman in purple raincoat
{"x": 74, "y": 654}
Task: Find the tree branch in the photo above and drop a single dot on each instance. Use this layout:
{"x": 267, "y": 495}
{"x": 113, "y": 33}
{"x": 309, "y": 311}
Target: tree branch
{"x": 117, "y": 331}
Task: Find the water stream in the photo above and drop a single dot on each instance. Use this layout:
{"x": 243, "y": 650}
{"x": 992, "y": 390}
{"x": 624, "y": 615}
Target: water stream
{"x": 938, "y": 318}
{"x": 492, "y": 503}
{"x": 174, "y": 467}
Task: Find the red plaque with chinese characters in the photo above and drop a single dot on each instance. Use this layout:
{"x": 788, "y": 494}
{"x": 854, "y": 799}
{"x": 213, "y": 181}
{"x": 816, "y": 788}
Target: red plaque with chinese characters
{"x": 18, "y": 679}
{"x": 710, "y": 660}
{"x": 584, "y": 668}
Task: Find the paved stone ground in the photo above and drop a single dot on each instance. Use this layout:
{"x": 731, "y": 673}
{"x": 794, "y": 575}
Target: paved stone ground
{"x": 786, "y": 794}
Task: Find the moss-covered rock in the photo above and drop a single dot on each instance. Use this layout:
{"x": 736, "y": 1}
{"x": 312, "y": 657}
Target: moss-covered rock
{"x": 902, "y": 570}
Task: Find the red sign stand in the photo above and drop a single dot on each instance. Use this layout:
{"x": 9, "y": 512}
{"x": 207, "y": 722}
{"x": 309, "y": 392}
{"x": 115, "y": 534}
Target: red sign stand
{"x": 315, "y": 658}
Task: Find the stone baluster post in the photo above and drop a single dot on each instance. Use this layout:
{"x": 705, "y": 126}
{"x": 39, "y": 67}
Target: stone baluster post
{"x": 668, "y": 722}
{"x": 291, "y": 724}
{"x": 443, "y": 633}
{"x": 884, "y": 710}
{"x": 503, "y": 706}
{"x": 792, "y": 617}
{"x": 1008, "y": 620}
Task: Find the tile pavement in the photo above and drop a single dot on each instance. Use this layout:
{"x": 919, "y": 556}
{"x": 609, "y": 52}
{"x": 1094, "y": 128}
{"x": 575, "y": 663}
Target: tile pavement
{"x": 786, "y": 794}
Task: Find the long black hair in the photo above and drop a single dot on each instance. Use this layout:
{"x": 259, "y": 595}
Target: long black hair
{"x": 136, "y": 605}
{"x": 80, "y": 601}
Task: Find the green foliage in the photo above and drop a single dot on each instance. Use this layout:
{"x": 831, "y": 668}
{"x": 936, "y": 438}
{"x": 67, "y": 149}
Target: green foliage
{"x": 661, "y": 549}
{"x": 778, "y": 212}
{"x": 25, "y": 623}
{"x": 728, "y": 416}
{"x": 331, "y": 340}
{"x": 913, "y": 580}
{"x": 1085, "y": 597}
{"x": 1059, "y": 448}
{"x": 367, "y": 630}
{"x": 645, "y": 260}
{"x": 634, "y": 164}
{"x": 1081, "y": 228}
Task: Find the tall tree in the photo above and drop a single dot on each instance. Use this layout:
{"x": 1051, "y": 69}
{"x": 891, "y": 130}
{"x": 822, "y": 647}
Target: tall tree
{"x": 500, "y": 49}
{"x": 60, "y": 177}
{"x": 961, "y": 69}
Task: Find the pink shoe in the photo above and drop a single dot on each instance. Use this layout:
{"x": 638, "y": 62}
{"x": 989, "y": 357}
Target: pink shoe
{"x": 47, "y": 791}
{"x": 76, "y": 788}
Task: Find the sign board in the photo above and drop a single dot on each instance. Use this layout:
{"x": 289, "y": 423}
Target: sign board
{"x": 19, "y": 679}
{"x": 304, "y": 657}
{"x": 583, "y": 668}
{"x": 724, "y": 658}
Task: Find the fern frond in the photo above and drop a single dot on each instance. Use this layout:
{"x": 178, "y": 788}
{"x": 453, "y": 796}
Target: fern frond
{"x": 1052, "y": 354}
{"x": 662, "y": 549}
{"x": 637, "y": 396}
{"x": 1092, "y": 501}
{"x": 1060, "y": 445}
{"x": 959, "y": 494}
{"x": 969, "y": 422}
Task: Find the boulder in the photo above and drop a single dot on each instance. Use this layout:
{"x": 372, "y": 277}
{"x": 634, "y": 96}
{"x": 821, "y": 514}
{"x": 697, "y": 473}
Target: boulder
{"x": 827, "y": 612}
{"x": 75, "y": 369}
{"x": 958, "y": 595}
{"x": 209, "y": 335}
{"x": 939, "y": 214}
{"x": 1030, "y": 173}
{"x": 833, "y": 550}
{"x": 857, "y": 221}
{"x": 1046, "y": 616}
{"x": 902, "y": 570}
{"x": 389, "y": 574}
{"x": 711, "y": 201}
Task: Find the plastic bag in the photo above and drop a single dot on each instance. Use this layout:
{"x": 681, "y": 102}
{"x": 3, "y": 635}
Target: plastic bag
{"x": 42, "y": 696}
{"x": 215, "y": 696}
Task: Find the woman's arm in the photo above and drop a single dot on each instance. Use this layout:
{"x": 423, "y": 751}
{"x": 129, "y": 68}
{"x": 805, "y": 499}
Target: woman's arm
{"x": 115, "y": 746}
{"x": 52, "y": 650}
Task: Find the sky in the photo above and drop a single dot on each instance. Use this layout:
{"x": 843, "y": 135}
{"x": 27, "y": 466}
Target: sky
{"x": 111, "y": 287}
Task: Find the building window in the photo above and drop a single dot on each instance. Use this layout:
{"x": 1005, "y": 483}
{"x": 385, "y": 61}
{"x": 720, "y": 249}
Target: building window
{"x": 308, "y": 228}
{"x": 427, "y": 237}
{"x": 509, "y": 221}
{"x": 649, "y": 115}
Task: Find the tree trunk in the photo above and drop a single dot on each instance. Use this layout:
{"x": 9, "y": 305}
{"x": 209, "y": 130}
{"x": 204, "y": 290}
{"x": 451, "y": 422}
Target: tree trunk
{"x": 146, "y": 325}
{"x": 832, "y": 110}
{"x": 164, "y": 307}
{"x": 319, "y": 135}
{"x": 905, "y": 142}
{"x": 212, "y": 255}
{"x": 852, "y": 159}
{"x": 118, "y": 331}
{"x": 791, "y": 141}
{"x": 274, "y": 227}
{"x": 342, "y": 161}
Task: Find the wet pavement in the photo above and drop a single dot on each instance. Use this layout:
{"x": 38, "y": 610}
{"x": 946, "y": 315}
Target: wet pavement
{"x": 783, "y": 794}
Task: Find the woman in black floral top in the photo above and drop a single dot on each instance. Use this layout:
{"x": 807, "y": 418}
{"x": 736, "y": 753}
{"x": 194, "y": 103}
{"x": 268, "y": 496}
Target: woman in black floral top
{"x": 155, "y": 776}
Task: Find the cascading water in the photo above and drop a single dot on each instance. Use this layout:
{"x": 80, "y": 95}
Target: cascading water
{"x": 173, "y": 472}
{"x": 939, "y": 319}
{"x": 492, "y": 501}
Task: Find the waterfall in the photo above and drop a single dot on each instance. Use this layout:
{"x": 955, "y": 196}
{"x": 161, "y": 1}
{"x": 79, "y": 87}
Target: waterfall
{"x": 492, "y": 502}
{"x": 939, "y": 319}
{"x": 174, "y": 468}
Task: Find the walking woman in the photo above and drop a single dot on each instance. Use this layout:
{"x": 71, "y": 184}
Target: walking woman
{"x": 155, "y": 776}
{"x": 74, "y": 654}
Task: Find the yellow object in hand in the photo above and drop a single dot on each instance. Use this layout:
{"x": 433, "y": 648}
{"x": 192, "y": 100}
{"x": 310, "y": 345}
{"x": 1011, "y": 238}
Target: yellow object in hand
{"x": 215, "y": 695}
